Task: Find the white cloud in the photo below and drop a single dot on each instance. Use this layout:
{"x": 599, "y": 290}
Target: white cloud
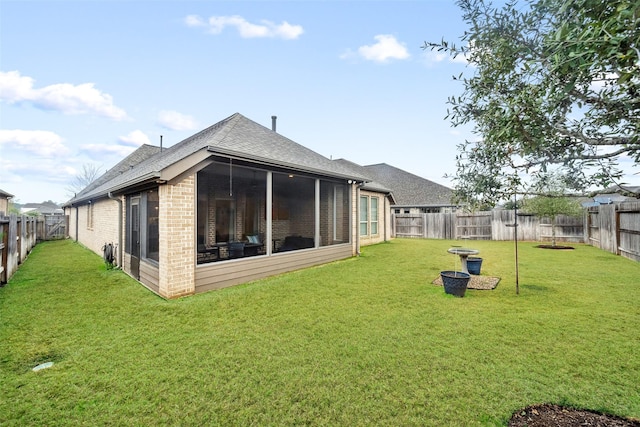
{"x": 42, "y": 142}
{"x": 246, "y": 29}
{"x": 193, "y": 21}
{"x": 385, "y": 49}
{"x": 173, "y": 120}
{"x": 125, "y": 145}
{"x": 116, "y": 150}
{"x": 63, "y": 97}
{"x": 134, "y": 139}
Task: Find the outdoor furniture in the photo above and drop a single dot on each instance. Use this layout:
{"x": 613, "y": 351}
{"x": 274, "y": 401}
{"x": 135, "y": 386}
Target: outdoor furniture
{"x": 206, "y": 254}
{"x": 255, "y": 246}
{"x": 292, "y": 243}
{"x": 251, "y": 249}
{"x": 236, "y": 249}
{"x": 464, "y": 253}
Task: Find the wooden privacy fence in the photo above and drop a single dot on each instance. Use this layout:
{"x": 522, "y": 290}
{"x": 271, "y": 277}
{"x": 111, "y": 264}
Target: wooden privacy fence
{"x": 19, "y": 234}
{"x": 486, "y": 225}
{"x": 615, "y": 228}
{"x": 428, "y": 226}
{"x": 18, "y": 238}
{"x": 52, "y": 227}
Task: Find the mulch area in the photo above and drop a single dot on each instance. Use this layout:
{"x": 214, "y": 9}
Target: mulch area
{"x": 548, "y": 415}
{"x": 476, "y": 282}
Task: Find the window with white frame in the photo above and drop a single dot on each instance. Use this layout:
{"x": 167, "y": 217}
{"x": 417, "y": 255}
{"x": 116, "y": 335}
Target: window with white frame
{"x": 364, "y": 215}
{"x": 374, "y": 216}
{"x": 369, "y": 215}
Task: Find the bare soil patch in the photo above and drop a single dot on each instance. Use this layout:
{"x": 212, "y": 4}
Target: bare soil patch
{"x": 548, "y": 415}
{"x": 557, "y": 247}
{"x": 476, "y": 282}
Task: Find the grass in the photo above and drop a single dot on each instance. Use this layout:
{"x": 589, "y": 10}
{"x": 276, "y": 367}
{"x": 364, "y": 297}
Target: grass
{"x": 364, "y": 341}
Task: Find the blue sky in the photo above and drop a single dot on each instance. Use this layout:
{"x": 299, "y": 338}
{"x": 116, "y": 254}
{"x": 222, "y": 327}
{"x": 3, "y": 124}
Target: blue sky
{"x": 86, "y": 82}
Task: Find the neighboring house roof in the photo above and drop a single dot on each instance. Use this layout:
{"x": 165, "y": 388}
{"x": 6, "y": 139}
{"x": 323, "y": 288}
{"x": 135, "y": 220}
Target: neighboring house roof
{"x": 42, "y": 208}
{"x": 627, "y": 190}
{"x": 409, "y": 189}
{"x": 371, "y": 185}
{"x": 614, "y": 194}
{"x": 5, "y": 195}
{"x": 236, "y": 137}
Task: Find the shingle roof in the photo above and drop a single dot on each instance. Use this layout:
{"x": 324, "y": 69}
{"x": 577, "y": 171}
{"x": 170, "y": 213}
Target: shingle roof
{"x": 409, "y": 189}
{"x": 5, "y": 195}
{"x": 141, "y": 154}
{"x": 358, "y": 169}
{"x": 234, "y": 136}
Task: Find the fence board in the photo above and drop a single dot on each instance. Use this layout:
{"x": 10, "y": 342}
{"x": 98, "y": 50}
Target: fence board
{"x": 629, "y": 230}
{"x": 474, "y": 226}
{"x": 19, "y": 235}
{"x": 491, "y": 225}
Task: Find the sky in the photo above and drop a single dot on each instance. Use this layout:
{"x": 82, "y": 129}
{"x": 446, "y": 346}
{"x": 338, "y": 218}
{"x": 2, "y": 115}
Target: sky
{"x": 87, "y": 82}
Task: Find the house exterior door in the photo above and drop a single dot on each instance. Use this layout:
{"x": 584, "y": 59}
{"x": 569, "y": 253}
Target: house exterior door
{"x": 134, "y": 236}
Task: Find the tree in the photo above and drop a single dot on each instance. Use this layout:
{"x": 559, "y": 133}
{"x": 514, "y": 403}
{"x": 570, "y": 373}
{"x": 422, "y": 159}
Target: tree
{"x": 89, "y": 173}
{"x": 551, "y": 200}
{"x": 554, "y": 83}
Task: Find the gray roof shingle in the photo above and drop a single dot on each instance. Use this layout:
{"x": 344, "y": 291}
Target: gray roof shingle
{"x": 370, "y": 185}
{"x": 409, "y": 189}
{"x": 235, "y": 136}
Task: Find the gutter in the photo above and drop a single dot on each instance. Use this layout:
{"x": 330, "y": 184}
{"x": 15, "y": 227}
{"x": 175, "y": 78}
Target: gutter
{"x": 148, "y": 177}
{"x": 294, "y": 167}
{"x": 119, "y": 200}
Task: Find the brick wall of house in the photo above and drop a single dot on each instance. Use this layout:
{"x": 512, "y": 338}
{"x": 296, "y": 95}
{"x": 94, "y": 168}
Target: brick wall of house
{"x": 97, "y": 224}
{"x": 177, "y": 238}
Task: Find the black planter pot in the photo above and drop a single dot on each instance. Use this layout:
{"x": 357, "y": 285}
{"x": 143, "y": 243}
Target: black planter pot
{"x": 455, "y": 282}
{"x": 474, "y": 264}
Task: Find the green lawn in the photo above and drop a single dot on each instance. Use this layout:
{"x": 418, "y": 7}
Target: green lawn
{"x": 364, "y": 341}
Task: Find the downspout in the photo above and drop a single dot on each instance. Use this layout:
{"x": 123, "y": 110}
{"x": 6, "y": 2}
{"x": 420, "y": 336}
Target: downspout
{"x": 387, "y": 213}
{"x": 120, "y": 248}
{"x": 77, "y": 213}
{"x": 357, "y": 219}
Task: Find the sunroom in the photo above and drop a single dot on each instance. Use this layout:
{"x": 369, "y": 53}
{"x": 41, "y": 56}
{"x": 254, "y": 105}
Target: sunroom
{"x": 245, "y": 210}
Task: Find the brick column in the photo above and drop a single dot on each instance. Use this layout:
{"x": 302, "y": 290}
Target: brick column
{"x": 177, "y": 238}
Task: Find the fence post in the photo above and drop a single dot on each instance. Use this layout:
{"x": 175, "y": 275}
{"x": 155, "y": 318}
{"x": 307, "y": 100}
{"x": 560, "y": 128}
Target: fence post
{"x": 393, "y": 225}
{"x": 4, "y": 237}
{"x": 424, "y": 225}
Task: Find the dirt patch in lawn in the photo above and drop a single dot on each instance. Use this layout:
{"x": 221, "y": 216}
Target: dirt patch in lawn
{"x": 557, "y": 247}
{"x": 476, "y": 282}
{"x": 548, "y": 415}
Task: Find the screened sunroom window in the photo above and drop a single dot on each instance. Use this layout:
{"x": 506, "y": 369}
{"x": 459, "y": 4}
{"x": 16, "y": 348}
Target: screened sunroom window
{"x": 152, "y": 246}
{"x": 233, "y": 201}
{"x": 334, "y": 213}
{"x": 231, "y": 219}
